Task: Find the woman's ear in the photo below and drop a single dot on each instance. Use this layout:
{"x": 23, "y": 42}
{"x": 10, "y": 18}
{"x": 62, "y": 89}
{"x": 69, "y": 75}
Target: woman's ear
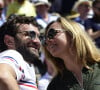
{"x": 9, "y": 41}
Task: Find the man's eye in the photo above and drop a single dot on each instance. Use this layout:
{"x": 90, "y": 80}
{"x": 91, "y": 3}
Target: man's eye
{"x": 26, "y": 33}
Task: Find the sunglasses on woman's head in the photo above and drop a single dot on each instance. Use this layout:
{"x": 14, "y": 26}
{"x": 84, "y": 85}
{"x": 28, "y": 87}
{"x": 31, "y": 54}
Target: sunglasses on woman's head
{"x": 31, "y": 34}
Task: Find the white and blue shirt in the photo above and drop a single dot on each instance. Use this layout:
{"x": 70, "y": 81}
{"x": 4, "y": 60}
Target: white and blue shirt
{"x": 25, "y": 73}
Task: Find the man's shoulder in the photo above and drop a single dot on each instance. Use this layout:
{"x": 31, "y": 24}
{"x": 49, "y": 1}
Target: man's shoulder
{"x": 11, "y": 56}
{"x": 12, "y": 53}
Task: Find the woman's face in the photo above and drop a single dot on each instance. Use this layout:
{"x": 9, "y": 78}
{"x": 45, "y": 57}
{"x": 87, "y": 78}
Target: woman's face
{"x": 57, "y": 43}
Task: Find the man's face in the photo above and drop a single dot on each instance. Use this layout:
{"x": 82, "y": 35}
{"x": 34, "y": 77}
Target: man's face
{"x": 27, "y": 41}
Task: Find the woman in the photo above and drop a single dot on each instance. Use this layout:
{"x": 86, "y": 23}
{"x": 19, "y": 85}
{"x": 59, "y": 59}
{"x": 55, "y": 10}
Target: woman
{"x": 74, "y": 54}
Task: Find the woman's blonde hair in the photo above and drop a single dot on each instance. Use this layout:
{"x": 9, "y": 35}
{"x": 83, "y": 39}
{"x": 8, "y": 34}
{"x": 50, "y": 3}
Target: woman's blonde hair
{"x": 86, "y": 49}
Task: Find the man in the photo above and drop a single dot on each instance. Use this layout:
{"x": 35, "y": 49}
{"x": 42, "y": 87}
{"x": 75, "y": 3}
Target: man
{"x": 19, "y": 46}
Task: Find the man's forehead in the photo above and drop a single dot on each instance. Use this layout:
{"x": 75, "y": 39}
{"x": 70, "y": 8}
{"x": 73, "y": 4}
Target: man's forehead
{"x": 28, "y": 27}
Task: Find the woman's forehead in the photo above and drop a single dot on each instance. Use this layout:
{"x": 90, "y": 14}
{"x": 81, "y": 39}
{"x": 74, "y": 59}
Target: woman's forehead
{"x": 55, "y": 25}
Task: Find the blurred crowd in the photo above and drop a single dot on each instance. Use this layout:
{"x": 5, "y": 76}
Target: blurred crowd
{"x": 32, "y": 7}
{"x": 83, "y": 12}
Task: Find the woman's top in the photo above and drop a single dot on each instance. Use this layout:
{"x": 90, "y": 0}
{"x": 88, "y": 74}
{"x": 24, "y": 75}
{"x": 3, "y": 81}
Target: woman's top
{"x": 67, "y": 81}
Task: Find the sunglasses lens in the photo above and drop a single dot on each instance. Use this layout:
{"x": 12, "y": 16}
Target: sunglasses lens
{"x": 32, "y": 34}
{"x": 50, "y": 36}
{"x": 52, "y": 33}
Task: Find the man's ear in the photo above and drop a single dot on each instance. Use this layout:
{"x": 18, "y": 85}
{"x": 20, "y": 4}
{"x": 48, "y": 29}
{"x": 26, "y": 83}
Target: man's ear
{"x": 9, "y": 41}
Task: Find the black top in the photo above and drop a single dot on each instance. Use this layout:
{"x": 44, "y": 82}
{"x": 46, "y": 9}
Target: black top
{"x": 67, "y": 81}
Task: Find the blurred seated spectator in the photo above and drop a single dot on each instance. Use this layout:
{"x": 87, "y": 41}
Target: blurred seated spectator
{"x": 21, "y": 7}
{"x": 92, "y": 25}
{"x": 6, "y": 3}
{"x": 82, "y": 7}
{"x": 43, "y": 15}
{"x": 2, "y": 17}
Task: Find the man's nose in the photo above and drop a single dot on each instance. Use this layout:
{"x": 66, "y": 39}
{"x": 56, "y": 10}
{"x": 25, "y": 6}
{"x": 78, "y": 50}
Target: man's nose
{"x": 37, "y": 41}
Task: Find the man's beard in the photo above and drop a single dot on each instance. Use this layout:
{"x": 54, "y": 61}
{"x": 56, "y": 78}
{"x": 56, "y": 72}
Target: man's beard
{"x": 28, "y": 56}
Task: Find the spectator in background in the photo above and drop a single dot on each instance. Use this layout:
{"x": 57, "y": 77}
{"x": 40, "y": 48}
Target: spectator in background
{"x": 82, "y": 7}
{"x": 19, "y": 47}
{"x": 93, "y": 25}
{"x": 21, "y": 7}
{"x": 2, "y": 16}
{"x": 48, "y": 76}
{"x": 43, "y": 16}
{"x": 74, "y": 54}
{"x": 6, "y": 3}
